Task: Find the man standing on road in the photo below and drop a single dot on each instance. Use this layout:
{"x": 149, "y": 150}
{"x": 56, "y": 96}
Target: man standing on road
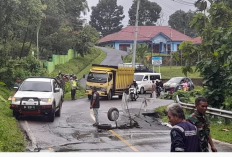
{"x": 183, "y": 134}
{"x": 73, "y": 84}
{"x": 95, "y": 105}
{"x": 199, "y": 119}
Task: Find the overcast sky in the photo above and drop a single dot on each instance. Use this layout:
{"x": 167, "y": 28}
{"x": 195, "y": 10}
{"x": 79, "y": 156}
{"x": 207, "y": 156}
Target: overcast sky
{"x": 168, "y": 7}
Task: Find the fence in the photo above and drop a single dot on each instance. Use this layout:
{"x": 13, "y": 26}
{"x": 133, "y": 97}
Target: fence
{"x": 60, "y": 59}
{"x": 212, "y": 111}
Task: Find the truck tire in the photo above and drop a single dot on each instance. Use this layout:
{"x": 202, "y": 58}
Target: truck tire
{"x": 89, "y": 97}
{"x": 104, "y": 126}
{"x": 113, "y": 114}
{"x": 16, "y": 114}
{"x": 109, "y": 96}
{"x": 51, "y": 115}
{"x": 58, "y": 112}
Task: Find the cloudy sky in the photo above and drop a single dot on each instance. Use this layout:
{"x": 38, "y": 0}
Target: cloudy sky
{"x": 168, "y": 7}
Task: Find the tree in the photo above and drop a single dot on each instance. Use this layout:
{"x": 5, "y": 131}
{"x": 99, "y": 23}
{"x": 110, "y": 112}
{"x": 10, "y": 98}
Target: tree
{"x": 107, "y": 17}
{"x": 180, "y": 21}
{"x": 149, "y": 13}
{"x": 215, "y": 65}
{"x": 86, "y": 39}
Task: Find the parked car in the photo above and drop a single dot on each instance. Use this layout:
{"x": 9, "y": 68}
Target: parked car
{"x": 38, "y": 96}
{"x": 144, "y": 81}
{"x": 175, "y": 84}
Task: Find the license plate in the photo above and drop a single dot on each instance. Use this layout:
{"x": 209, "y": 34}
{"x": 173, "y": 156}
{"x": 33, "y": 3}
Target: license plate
{"x": 29, "y": 107}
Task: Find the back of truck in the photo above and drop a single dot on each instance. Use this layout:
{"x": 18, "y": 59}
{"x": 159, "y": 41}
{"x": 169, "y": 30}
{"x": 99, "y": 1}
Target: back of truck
{"x": 123, "y": 79}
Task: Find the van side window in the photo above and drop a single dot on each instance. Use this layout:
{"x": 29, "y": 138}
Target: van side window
{"x": 146, "y": 77}
{"x": 154, "y": 77}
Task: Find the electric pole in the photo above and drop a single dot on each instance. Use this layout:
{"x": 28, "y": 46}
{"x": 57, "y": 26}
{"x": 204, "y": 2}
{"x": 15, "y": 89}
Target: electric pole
{"x": 136, "y": 34}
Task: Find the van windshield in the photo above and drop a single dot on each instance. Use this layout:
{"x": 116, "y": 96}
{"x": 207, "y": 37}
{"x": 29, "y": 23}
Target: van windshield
{"x": 97, "y": 77}
{"x": 138, "y": 77}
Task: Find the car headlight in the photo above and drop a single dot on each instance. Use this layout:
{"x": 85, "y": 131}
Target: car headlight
{"x": 103, "y": 89}
{"x": 46, "y": 99}
{"x": 87, "y": 87}
{"x": 14, "y": 99}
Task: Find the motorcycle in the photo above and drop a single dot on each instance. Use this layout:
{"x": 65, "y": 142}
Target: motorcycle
{"x": 132, "y": 93}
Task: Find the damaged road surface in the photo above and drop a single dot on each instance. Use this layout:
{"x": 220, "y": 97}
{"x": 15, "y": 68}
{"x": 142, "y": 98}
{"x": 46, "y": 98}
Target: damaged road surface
{"x": 73, "y": 131}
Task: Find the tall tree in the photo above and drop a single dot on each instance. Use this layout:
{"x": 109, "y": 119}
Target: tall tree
{"x": 149, "y": 13}
{"x": 180, "y": 21}
{"x": 107, "y": 17}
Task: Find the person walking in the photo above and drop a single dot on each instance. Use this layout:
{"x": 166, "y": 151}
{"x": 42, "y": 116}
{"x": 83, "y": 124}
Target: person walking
{"x": 73, "y": 84}
{"x": 183, "y": 134}
{"x": 95, "y": 105}
{"x": 153, "y": 87}
{"x": 200, "y": 120}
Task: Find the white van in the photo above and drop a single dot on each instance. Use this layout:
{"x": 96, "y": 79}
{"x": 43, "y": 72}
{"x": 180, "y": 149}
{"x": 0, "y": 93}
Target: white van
{"x": 144, "y": 81}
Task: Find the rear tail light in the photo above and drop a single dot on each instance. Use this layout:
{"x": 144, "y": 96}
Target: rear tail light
{"x": 46, "y": 106}
{"x": 171, "y": 90}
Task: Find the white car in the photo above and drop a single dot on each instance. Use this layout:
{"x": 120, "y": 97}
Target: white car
{"x": 144, "y": 81}
{"x": 38, "y": 96}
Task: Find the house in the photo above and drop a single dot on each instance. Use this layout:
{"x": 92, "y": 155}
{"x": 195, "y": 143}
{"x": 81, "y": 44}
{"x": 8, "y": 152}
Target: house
{"x": 163, "y": 39}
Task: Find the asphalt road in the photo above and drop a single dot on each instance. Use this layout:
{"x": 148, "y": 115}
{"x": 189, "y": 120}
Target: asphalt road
{"x": 73, "y": 131}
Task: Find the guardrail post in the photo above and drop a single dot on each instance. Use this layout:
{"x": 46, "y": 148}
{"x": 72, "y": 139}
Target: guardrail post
{"x": 227, "y": 121}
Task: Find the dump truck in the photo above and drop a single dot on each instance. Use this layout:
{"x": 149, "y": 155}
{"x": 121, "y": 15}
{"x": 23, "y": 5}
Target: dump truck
{"x": 109, "y": 80}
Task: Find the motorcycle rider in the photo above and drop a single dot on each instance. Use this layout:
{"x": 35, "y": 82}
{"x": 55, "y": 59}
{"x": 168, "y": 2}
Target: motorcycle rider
{"x": 135, "y": 85}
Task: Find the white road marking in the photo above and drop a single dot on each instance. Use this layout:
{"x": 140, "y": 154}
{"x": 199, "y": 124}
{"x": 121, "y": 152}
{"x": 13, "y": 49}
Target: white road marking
{"x": 31, "y": 135}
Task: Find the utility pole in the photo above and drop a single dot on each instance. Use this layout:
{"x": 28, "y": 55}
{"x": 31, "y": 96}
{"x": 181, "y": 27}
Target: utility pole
{"x": 136, "y": 34}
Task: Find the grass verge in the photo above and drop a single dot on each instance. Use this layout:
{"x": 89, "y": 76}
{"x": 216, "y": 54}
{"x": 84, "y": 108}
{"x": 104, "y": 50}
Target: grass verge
{"x": 11, "y": 137}
{"x": 168, "y": 72}
{"x": 79, "y": 66}
{"x": 216, "y": 125}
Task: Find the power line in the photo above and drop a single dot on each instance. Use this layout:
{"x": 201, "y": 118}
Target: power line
{"x": 183, "y": 2}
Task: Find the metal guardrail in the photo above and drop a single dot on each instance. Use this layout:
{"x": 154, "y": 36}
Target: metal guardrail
{"x": 212, "y": 111}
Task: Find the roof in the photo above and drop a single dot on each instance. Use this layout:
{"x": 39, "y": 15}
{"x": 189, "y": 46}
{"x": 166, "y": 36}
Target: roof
{"x": 145, "y": 33}
{"x": 196, "y": 40}
{"x": 39, "y": 79}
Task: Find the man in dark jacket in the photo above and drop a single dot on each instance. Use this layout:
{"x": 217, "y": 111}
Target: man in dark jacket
{"x": 184, "y": 136}
{"x": 95, "y": 104}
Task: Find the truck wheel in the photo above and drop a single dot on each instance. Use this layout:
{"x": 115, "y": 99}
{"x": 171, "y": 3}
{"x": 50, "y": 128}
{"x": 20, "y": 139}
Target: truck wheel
{"x": 89, "y": 97}
{"x": 142, "y": 90}
{"x": 51, "y": 116}
{"x": 58, "y": 112}
{"x": 16, "y": 115}
{"x": 113, "y": 114}
{"x": 109, "y": 96}
{"x": 120, "y": 96}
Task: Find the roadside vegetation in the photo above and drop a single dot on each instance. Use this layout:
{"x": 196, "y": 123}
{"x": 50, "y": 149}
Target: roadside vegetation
{"x": 11, "y": 137}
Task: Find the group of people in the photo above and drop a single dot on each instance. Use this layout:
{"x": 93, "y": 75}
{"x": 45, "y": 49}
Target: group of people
{"x": 191, "y": 134}
{"x": 157, "y": 87}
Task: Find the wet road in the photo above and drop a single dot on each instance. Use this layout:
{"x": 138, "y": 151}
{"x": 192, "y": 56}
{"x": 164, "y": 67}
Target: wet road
{"x": 73, "y": 131}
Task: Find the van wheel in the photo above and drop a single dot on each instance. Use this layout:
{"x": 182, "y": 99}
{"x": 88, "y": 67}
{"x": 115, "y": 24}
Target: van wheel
{"x": 109, "y": 96}
{"x": 142, "y": 90}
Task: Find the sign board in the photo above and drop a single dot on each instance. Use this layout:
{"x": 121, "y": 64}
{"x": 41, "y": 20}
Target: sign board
{"x": 156, "y": 61}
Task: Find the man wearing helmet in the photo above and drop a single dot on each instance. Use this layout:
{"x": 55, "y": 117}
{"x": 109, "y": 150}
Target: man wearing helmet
{"x": 134, "y": 85}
